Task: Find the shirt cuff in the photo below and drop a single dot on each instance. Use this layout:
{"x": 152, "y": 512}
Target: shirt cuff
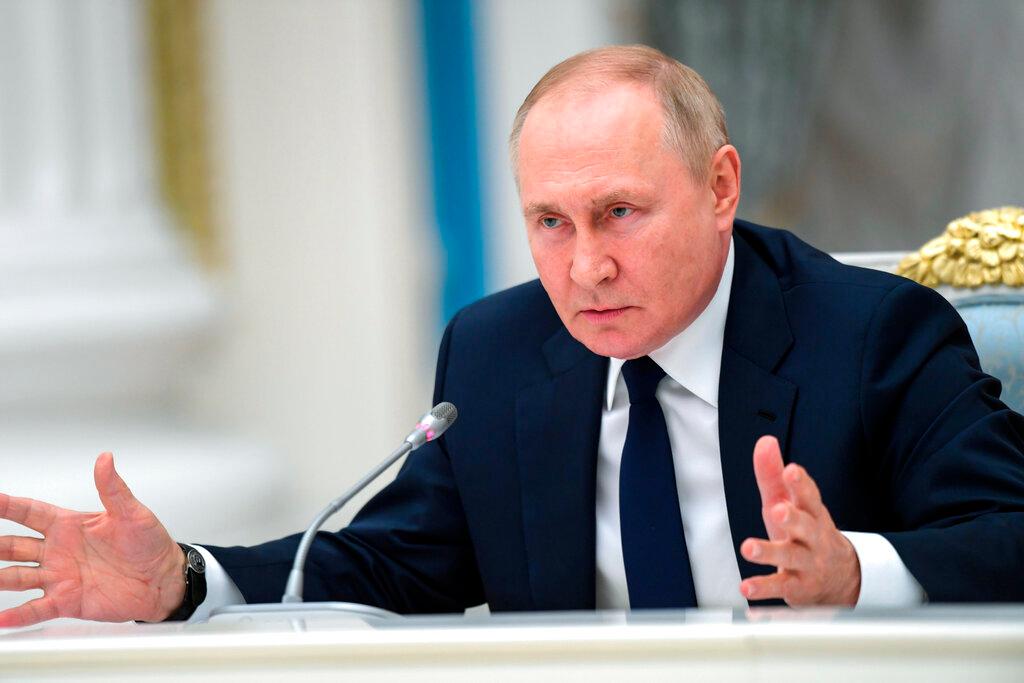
{"x": 884, "y": 580}
{"x": 221, "y": 591}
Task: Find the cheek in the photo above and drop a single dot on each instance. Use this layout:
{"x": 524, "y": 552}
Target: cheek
{"x": 656, "y": 264}
{"x": 553, "y": 271}
{"x": 663, "y": 273}
{"x": 546, "y": 262}
{"x": 551, "y": 255}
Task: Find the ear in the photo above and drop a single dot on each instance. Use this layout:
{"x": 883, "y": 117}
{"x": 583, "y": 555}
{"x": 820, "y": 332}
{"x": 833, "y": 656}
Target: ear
{"x": 724, "y": 179}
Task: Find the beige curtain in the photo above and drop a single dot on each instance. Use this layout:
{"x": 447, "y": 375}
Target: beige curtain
{"x": 177, "y": 59}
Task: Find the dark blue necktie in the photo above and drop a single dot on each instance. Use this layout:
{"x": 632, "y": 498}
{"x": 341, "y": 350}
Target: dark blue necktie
{"x": 653, "y": 546}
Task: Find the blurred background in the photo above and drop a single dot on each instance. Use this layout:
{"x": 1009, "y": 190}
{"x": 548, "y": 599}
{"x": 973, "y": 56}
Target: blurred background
{"x": 231, "y": 230}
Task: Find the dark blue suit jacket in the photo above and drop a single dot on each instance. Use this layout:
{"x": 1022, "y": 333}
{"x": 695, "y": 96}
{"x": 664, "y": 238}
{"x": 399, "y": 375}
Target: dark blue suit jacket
{"x": 868, "y": 380}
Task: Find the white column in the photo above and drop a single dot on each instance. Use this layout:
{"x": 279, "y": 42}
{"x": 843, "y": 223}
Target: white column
{"x": 48, "y": 72}
{"x": 98, "y": 301}
{"x": 115, "y": 118}
{"x": 102, "y": 312}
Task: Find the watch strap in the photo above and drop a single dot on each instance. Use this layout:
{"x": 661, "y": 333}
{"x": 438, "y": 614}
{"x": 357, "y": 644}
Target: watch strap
{"x": 195, "y": 584}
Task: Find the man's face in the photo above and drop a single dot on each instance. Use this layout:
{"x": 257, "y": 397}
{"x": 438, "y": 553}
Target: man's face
{"x": 629, "y": 247}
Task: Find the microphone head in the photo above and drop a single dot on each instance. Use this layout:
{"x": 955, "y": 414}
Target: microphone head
{"x": 445, "y": 411}
{"x": 433, "y": 424}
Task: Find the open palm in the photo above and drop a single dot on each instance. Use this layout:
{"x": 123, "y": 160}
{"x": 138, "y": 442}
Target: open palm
{"x": 115, "y": 565}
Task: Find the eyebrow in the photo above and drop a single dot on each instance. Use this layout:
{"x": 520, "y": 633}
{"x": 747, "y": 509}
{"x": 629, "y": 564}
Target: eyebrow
{"x": 612, "y": 197}
{"x": 535, "y": 208}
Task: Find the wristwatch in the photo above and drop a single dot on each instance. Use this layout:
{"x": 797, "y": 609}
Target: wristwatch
{"x": 195, "y": 584}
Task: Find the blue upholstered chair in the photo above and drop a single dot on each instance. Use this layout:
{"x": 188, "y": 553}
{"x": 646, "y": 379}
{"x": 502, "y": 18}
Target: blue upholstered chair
{"x": 996, "y": 322}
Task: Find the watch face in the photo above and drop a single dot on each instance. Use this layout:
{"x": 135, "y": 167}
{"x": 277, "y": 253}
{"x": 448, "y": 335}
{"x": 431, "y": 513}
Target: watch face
{"x": 196, "y": 562}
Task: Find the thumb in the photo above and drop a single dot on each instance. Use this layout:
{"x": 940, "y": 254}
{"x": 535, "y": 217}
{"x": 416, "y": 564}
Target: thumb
{"x": 115, "y": 495}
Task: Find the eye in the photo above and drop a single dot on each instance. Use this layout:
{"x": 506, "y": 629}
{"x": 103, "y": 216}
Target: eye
{"x": 621, "y": 211}
{"x": 550, "y": 222}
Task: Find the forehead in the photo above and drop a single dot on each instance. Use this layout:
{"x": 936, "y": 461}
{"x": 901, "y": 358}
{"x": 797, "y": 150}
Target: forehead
{"x": 581, "y": 117}
{"x": 597, "y": 139}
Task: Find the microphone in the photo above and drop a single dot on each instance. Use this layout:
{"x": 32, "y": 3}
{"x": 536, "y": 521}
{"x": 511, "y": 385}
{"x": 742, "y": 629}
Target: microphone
{"x": 431, "y": 426}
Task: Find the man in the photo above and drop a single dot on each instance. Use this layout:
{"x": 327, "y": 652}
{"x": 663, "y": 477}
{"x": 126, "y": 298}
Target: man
{"x": 608, "y": 413}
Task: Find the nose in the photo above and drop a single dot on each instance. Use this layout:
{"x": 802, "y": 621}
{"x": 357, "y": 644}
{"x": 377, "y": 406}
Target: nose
{"x": 591, "y": 262}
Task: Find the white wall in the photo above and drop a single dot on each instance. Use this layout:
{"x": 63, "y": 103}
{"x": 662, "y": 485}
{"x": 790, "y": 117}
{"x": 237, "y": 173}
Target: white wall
{"x": 327, "y": 350}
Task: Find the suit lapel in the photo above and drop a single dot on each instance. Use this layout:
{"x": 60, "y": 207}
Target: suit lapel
{"x": 752, "y": 400}
{"x": 558, "y": 423}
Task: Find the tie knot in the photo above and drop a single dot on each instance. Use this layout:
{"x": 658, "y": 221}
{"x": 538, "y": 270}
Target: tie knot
{"x": 642, "y": 376}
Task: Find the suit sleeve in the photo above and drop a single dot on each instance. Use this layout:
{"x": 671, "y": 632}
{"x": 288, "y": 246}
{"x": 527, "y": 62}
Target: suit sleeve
{"x": 408, "y": 550}
{"x": 949, "y": 454}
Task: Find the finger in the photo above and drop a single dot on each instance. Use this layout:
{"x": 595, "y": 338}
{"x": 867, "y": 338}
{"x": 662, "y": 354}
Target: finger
{"x": 768, "y": 471}
{"x": 32, "y": 612}
{"x": 796, "y": 524}
{"x": 803, "y": 491}
{"x": 781, "y": 554}
{"x": 115, "y": 495}
{"x": 20, "y": 549}
{"x": 33, "y": 514}
{"x": 20, "y": 578}
{"x": 775, "y": 585}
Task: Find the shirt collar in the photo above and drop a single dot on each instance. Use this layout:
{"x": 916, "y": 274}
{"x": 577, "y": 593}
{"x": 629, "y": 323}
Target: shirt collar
{"x": 693, "y": 358}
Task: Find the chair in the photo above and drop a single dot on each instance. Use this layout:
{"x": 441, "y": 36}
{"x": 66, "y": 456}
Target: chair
{"x": 996, "y": 323}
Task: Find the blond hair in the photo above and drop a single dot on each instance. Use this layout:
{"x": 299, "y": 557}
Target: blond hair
{"x": 694, "y": 120}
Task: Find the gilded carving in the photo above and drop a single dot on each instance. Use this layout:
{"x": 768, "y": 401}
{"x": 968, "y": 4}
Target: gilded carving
{"x": 981, "y": 248}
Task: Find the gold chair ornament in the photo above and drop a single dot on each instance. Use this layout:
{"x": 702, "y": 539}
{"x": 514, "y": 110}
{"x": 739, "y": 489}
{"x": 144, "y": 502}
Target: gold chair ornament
{"x": 981, "y": 248}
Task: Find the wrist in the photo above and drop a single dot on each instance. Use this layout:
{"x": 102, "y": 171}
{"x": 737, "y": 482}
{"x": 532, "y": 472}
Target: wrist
{"x": 852, "y": 593}
{"x": 171, "y": 584}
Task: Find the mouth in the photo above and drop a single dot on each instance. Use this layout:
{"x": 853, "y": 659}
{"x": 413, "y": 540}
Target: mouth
{"x": 601, "y": 315}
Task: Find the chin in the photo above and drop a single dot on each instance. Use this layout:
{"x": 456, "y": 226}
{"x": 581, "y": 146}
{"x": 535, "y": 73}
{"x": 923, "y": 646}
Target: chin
{"x": 611, "y": 344}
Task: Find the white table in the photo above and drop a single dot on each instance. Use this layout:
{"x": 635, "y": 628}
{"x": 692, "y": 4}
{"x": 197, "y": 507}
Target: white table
{"x": 783, "y": 646}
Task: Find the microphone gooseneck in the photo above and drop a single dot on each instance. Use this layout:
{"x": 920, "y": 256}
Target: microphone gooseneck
{"x": 430, "y": 427}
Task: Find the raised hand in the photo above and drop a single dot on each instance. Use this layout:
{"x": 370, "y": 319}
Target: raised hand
{"x": 116, "y": 565}
{"x": 816, "y": 564}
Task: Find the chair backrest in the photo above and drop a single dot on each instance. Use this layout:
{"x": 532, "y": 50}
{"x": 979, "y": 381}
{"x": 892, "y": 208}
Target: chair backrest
{"x": 996, "y": 323}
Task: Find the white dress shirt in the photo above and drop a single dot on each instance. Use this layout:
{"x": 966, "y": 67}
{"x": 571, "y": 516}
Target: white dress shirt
{"x": 689, "y": 398}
